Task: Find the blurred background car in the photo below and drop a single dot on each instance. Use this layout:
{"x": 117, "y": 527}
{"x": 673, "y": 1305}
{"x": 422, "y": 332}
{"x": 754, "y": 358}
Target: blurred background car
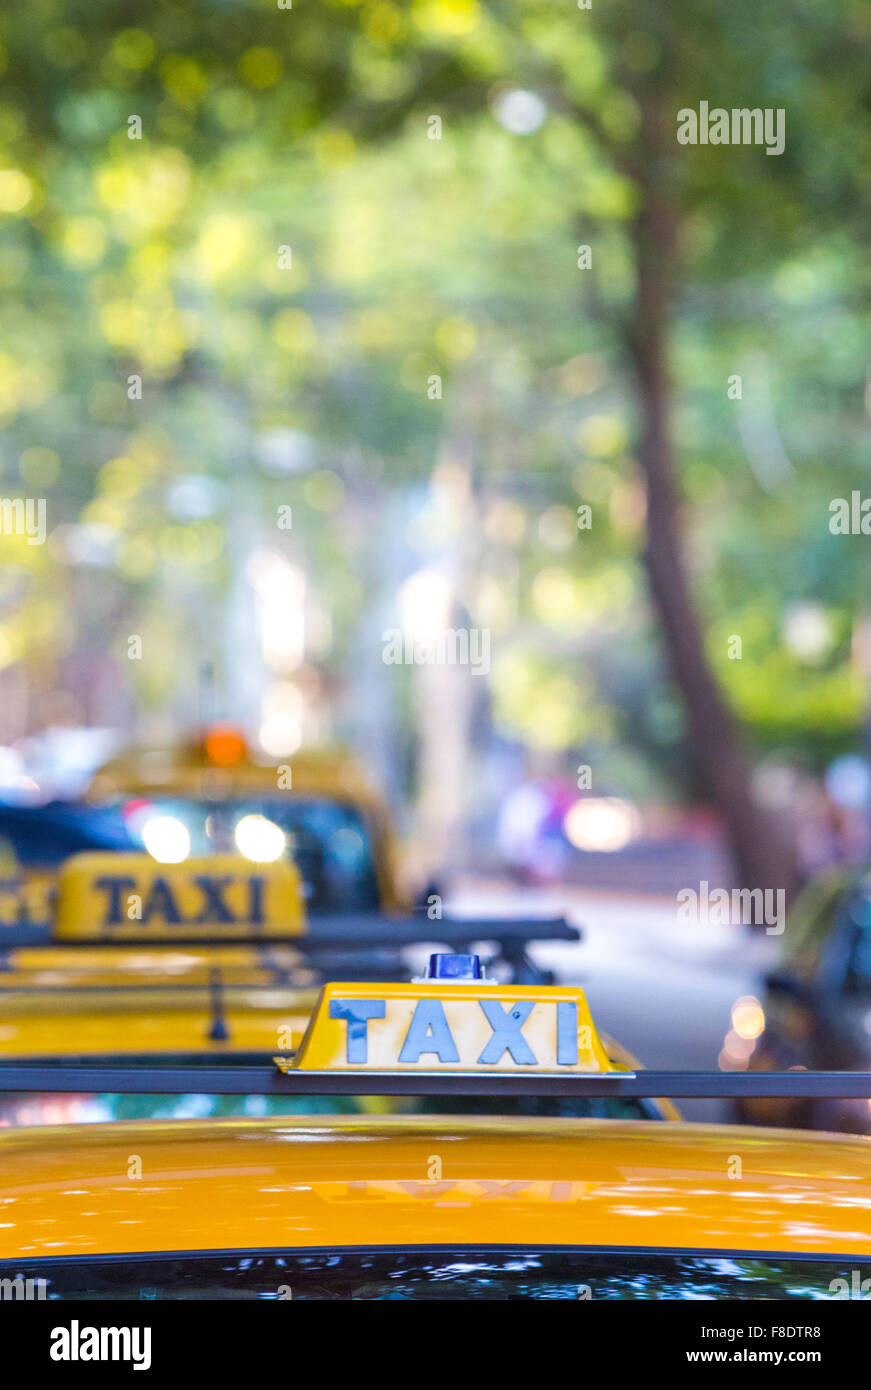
{"x": 209, "y": 796}
{"x": 815, "y": 1012}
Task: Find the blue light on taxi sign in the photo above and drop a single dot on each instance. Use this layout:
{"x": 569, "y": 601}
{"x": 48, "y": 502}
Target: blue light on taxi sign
{"x": 454, "y": 967}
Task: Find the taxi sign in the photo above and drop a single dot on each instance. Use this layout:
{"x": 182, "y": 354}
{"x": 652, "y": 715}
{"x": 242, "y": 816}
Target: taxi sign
{"x": 123, "y": 897}
{"x": 25, "y": 903}
{"x": 446, "y": 1023}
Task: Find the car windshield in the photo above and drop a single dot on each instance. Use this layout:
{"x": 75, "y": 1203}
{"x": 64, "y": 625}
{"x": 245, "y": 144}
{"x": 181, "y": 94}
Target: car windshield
{"x": 328, "y": 840}
{"x": 442, "y": 1274}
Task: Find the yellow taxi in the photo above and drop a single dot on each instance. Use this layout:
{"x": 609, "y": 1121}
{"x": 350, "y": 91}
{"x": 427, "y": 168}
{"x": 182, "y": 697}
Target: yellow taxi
{"x": 432, "y": 1206}
{"x": 124, "y": 921}
{"x": 144, "y": 959}
{"x": 210, "y": 799}
{"x": 127, "y": 915}
{"x": 211, "y": 796}
{"x": 209, "y": 808}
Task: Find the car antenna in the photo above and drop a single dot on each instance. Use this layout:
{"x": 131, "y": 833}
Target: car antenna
{"x": 218, "y": 1030}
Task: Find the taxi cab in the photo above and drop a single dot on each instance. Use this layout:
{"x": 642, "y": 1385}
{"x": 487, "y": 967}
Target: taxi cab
{"x": 442, "y": 1207}
{"x": 210, "y": 795}
{"x": 210, "y": 803}
{"x": 203, "y": 964}
{"x": 126, "y": 921}
{"x": 211, "y": 798}
{"x": 115, "y": 917}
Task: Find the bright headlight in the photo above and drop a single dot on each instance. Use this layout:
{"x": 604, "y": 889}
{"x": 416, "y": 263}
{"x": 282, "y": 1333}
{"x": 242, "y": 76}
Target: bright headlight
{"x": 259, "y": 839}
{"x": 167, "y": 839}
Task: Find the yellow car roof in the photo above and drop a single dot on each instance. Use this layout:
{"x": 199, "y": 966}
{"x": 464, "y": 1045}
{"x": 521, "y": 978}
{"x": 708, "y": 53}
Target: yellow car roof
{"x": 358, "y": 1181}
{"x": 208, "y": 1010}
{"x": 185, "y": 770}
{"x": 165, "y": 1008}
{"x": 54, "y": 967}
{"x": 151, "y": 1021}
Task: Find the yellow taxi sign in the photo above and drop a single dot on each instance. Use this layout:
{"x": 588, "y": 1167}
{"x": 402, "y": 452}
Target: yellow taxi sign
{"x": 434, "y": 1025}
{"x": 25, "y": 903}
{"x": 122, "y": 897}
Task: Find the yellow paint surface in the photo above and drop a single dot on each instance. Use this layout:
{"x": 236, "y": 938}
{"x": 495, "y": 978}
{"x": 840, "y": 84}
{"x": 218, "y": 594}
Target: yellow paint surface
{"x": 267, "y": 1184}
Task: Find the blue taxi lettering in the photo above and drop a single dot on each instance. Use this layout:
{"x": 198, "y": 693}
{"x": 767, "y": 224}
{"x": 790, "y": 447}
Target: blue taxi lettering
{"x": 428, "y": 1031}
{"x": 256, "y": 884}
{"x": 118, "y": 888}
{"x": 161, "y": 901}
{"x": 430, "y": 1035}
{"x": 214, "y": 908}
{"x": 357, "y": 1013}
{"x": 567, "y": 1033}
{"x": 507, "y": 1035}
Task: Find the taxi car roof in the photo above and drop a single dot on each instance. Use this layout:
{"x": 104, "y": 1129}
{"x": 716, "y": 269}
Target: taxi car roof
{"x": 151, "y": 1019}
{"x": 51, "y": 967}
{"x": 179, "y": 771}
{"x": 354, "y": 1181}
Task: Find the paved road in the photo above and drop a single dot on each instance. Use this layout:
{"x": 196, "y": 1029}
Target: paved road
{"x": 663, "y": 988}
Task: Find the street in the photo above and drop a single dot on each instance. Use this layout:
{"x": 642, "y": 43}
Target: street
{"x": 661, "y": 988}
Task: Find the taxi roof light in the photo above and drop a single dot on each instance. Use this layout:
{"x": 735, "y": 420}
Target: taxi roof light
{"x": 105, "y": 898}
{"x": 452, "y": 1020}
{"x": 224, "y": 746}
{"x": 448, "y": 966}
{"x": 120, "y": 897}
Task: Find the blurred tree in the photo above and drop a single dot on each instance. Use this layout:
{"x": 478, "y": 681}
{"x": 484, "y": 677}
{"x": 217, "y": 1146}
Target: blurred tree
{"x": 159, "y": 260}
{"x": 624, "y": 77}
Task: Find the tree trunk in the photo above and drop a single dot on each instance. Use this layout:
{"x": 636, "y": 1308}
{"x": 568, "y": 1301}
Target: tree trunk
{"x": 759, "y": 851}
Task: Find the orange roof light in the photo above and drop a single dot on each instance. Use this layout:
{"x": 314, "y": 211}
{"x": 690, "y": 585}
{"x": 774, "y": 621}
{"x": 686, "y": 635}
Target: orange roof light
{"x": 224, "y": 747}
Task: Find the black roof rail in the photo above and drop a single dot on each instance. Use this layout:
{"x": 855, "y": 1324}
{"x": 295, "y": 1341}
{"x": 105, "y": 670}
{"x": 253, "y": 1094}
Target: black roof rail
{"x": 268, "y": 1078}
{"x": 327, "y": 931}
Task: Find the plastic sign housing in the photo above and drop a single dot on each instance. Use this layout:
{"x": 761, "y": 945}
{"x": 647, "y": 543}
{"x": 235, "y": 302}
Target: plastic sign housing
{"x": 437, "y": 1026}
{"x": 123, "y": 897}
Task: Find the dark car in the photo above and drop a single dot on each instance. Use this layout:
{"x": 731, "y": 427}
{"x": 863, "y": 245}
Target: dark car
{"x": 34, "y": 838}
{"x": 817, "y": 1002}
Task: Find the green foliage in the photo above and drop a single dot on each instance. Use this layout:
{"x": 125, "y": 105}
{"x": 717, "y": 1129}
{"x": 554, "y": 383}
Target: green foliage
{"x": 308, "y": 128}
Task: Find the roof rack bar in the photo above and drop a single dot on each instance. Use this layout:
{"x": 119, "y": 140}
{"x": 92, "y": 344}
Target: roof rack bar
{"x": 226, "y": 1078}
{"x": 354, "y": 930}
{"x": 357, "y": 929}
